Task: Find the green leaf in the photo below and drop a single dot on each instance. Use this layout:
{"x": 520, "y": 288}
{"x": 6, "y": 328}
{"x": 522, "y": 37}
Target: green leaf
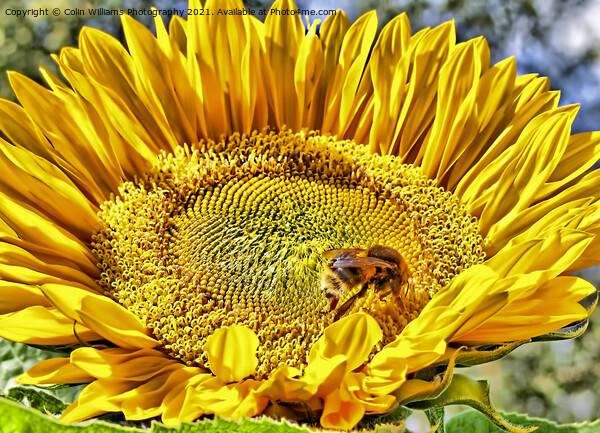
{"x": 475, "y": 422}
{"x": 39, "y": 400}
{"x": 17, "y": 358}
{"x": 436, "y": 416}
{"x": 15, "y": 417}
{"x": 221, "y": 425}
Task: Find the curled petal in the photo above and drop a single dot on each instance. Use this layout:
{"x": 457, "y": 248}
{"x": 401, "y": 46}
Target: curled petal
{"x": 232, "y": 353}
{"x": 101, "y": 314}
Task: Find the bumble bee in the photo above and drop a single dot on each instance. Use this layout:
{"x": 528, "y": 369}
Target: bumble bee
{"x": 382, "y": 268}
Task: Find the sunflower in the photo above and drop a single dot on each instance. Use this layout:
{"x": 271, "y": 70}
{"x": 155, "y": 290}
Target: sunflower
{"x": 236, "y": 218}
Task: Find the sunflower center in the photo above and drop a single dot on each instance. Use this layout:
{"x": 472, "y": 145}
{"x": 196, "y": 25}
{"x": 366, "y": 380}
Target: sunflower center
{"x": 234, "y": 233}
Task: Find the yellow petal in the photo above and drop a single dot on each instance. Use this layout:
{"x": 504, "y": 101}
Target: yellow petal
{"x": 106, "y": 61}
{"x": 325, "y": 374}
{"x": 138, "y": 383}
{"x": 552, "y": 306}
{"x": 544, "y": 218}
{"x": 409, "y": 353}
{"x": 232, "y": 352}
{"x": 55, "y": 370}
{"x": 283, "y": 385}
{"x": 308, "y": 72}
{"x": 177, "y": 403}
{"x": 522, "y": 169}
{"x": 73, "y": 141}
{"x": 331, "y": 35}
{"x": 352, "y": 336}
{"x": 344, "y": 346}
{"x": 575, "y": 208}
{"x": 95, "y": 399}
{"x": 494, "y": 99}
{"x": 232, "y": 65}
{"x": 127, "y": 146}
{"x": 456, "y": 122}
{"x": 53, "y": 81}
{"x": 149, "y": 60}
{"x": 210, "y": 396}
{"x": 345, "y": 81}
{"x": 568, "y": 289}
{"x": 459, "y": 307}
{"x": 580, "y": 155}
{"x": 42, "y": 185}
{"x": 476, "y": 294}
{"x": 178, "y": 32}
{"x": 27, "y": 262}
{"x": 548, "y": 256}
{"x": 148, "y": 399}
{"x": 283, "y": 39}
{"x": 44, "y": 326}
{"x": 341, "y": 411}
{"x": 429, "y": 49}
{"x": 517, "y": 327}
{"x": 23, "y": 133}
{"x": 115, "y": 323}
{"x": 33, "y": 227}
{"x": 251, "y": 404}
{"x": 388, "y": 68}
{"x": 15, "y": 297}
{"x": 235, "y": 400}
{"x": 103, "y": 315}
{"x": 186, "y": 97}
{"x": 531, "y": 97}
{"x": 118, "y": 363}
{"x": 354, "y": 383}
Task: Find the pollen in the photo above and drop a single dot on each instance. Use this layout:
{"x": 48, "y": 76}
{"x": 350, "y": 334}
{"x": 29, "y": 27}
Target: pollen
{"x": 233, "y": 232}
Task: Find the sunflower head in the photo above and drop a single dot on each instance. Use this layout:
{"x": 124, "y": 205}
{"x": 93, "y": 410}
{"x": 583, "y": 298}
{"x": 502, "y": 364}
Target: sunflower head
{"x": 320, "y": 223}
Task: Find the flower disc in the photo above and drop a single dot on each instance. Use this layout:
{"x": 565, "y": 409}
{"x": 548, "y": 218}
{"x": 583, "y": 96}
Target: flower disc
{"x": 234, "y": 233}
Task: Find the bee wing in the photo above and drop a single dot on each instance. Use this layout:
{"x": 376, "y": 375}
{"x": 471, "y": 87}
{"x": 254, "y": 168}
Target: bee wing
{"x": 343, "y": 252}
{"x": 350, "y": 276}
{"x": 386, "y": 253}
{"x": 361, "y": 262}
